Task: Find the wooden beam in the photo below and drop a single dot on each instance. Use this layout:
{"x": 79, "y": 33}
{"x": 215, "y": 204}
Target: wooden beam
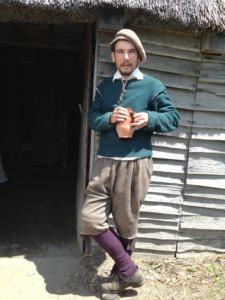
{"x": 84, "y": 138}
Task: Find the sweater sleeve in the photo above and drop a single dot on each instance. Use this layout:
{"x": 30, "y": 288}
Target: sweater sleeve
{"x": 163, "y": 117}
{"x": 98, "y": 120}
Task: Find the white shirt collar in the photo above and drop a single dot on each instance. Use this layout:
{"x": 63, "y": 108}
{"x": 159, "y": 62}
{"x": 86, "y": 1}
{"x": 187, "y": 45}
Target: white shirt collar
{"x": 137, "y": 74}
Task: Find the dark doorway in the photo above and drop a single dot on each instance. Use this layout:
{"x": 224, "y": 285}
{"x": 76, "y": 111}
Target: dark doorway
{"x": 41, "y": 75}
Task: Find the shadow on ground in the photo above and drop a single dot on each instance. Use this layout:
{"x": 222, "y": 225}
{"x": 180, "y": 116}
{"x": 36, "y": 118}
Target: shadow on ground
{"x": 67, "y": 274}
{"x": 38, "y": 237}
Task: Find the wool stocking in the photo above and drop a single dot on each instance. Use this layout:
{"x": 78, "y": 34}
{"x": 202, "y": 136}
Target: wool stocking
{"x": 128, "y": 244}
{"x": 113, "y": 246}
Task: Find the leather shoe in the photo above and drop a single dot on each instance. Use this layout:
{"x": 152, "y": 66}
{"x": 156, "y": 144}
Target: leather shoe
{"x": 122, "y": 282}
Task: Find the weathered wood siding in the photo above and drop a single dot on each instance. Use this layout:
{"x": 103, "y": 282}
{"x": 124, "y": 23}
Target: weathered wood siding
{"x": 202, "y": 224}
{"x": 184, "y": 205}
{"x": 175, "y": 58}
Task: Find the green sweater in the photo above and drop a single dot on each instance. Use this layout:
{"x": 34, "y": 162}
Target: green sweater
{"x": 147, "y": 95}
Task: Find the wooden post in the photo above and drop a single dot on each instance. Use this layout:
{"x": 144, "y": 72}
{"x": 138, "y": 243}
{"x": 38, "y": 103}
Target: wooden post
{"x": 83, "y": 148}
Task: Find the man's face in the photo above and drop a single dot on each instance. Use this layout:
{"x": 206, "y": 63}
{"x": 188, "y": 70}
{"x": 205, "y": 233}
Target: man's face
{"x": 125, "y": 57}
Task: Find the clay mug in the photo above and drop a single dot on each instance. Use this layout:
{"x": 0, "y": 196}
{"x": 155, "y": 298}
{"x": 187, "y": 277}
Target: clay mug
{"x": 123, "y": 128}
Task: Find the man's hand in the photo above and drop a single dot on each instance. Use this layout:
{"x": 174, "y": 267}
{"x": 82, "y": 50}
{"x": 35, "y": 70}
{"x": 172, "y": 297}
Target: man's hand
{"x": 140, "y": 120}
{"x": 119, "y": 114}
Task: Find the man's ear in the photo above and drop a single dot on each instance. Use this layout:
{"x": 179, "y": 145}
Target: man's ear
{"x": 113, "y": 56}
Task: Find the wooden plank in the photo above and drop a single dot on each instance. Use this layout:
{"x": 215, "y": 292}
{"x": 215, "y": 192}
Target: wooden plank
{"x": 203, "y": 146}
{"x": 211, "y": 87}
{"x": 209, "y": 101}
{"x": 171, "y": 51}
{"x": 182, "y": 98}
{"x": 209, "y": 134}
{"x": 162, "y": 235}
{"x": 204, "y": 203}
{"x": 213, "y": 58}
{"x": 216, "y": 244}
{"x": 189, "y": 235}
{"x": 158, "y": 217}
{"x": 165, "y": 189}
{"x": 105, "y": 69}
{"x": 172, "y": 65}
{"x": 168, "y": 142}
{"x": 214, "y": 71}
{"x": 209, "y": 223}
{"x": 206, "y": 164}
{"x": 172, "y": 80}
{"x": 212, "y": 80}
{"x": 214, "y": 120}
{"x": 145, "y": 223}
{"x": 168, "y": 38}
{"x": 152, "y": 198}
{"x": 205, "y": 192}
{"x": 166, "y": 209}
{"x": 186, "y": 117}
{"x": 167, "y": 178}
{"x": 160, "y": 247}
{"x": 210, "y": 181}
{"x": 104, "y": 38}
{"x": 170, "y": 153}
{"x": 174, "y": 166}
{"x": 182, "y": 132}
{"x": 104, "y": 53}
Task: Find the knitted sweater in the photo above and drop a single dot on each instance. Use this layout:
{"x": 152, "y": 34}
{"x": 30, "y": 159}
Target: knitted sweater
{"x": 147, "y": 95}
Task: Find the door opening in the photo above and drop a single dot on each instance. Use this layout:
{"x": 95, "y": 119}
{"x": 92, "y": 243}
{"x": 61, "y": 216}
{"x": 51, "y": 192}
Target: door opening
{"x": 40, "y": 120}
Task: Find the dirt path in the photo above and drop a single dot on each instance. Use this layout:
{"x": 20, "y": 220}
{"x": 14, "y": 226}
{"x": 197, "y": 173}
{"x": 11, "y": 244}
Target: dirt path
{"x": 56, "y": 275}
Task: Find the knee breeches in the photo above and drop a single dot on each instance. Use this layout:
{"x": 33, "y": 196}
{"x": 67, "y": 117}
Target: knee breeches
{"x": 118, "y": 187}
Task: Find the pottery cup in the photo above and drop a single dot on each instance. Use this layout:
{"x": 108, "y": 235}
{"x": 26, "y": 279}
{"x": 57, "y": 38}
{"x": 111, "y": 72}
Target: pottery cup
{"x": 123, "y": 128}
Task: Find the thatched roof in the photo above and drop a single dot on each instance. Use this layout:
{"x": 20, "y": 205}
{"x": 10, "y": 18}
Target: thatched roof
{"x": 200, "y": 14}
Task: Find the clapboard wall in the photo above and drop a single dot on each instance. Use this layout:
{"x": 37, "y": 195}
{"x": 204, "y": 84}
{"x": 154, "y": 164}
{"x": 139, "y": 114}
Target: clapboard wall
{"x": 184, "y": 209}
{"x": 202, "y": 224}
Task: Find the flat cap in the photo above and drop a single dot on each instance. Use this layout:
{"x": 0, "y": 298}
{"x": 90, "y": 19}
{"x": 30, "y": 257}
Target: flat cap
{"x": 130, "y": 35}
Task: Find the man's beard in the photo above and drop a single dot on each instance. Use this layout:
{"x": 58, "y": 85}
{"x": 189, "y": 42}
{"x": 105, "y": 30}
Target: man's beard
{"x": 126, "y": 73}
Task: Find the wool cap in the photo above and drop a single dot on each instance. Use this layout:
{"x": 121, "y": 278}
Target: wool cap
{"x": 130, "y": 35}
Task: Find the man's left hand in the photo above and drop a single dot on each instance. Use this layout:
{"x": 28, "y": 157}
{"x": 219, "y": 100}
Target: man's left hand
{"x": 140, "y": 120}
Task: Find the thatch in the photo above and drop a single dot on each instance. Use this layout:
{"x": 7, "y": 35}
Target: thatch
{"x": 202, "y": 14}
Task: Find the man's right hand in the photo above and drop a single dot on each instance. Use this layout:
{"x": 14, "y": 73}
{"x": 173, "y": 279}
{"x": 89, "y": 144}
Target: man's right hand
{"x": 119, "y": 115}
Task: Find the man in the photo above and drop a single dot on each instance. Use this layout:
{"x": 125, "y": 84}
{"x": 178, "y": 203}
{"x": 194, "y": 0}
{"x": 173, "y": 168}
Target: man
{"x": 122, "y": 171}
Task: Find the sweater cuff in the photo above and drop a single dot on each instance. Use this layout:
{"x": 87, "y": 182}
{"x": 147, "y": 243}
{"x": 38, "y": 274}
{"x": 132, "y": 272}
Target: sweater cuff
{"x": 107, "y": 119}
{"x": 152, "y": 116}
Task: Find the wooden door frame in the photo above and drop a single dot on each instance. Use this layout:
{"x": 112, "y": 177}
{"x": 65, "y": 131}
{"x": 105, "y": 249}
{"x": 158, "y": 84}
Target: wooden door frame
{"x": 83, "y": 164}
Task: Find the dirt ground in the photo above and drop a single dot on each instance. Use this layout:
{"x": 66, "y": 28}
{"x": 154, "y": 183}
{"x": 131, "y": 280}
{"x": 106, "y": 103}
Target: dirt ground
{"x": 58, "y": 273}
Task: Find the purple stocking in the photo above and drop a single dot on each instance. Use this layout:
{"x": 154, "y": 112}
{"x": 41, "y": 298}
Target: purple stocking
{"x": 113, "y": 246}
